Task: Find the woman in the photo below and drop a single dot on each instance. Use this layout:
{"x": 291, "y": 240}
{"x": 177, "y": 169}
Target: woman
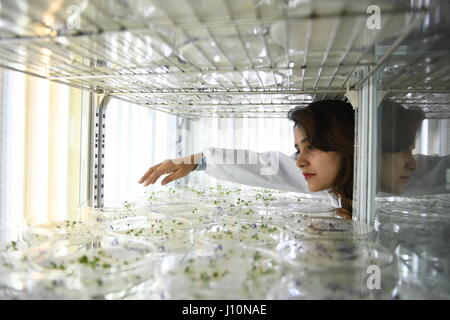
{"x": 324, "y": 140}
{"x": 396, "y": 139}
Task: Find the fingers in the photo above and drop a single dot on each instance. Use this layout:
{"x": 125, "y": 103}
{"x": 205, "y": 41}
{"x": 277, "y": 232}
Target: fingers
{"x": 154, "y": 173}
{"x": 174, "y": 176}
{"x": 149, "y": 172}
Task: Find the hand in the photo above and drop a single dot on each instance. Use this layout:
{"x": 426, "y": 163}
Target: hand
{"x": 343, "y": 213}
{"x": 177, "y": 168}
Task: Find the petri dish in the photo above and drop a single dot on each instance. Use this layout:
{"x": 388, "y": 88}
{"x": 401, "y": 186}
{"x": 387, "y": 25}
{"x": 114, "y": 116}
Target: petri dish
{"x": 427, "y": 265}
{"x": 412, "y": 233}
{"x": 252, "y": 214}
{"x": 14, "y": 258}
{"x": 39, "y": 285}
{"x": 410, "y": 213}
{"x": 21, "y": 279}
{"x": 255, "y": 234}
{"x": 310, "y": 209}
{"x": 332, "y": 253}
{"x": 336, "y": 284}
{"x": 424, "y": 271}
{"x": 184, "y": 210}
{"x": 414, "y": 290}
{"x": 107, "y": 267}
{"x": 228, "y": 273}
{"x": 106, "y": 215}
{"x": 412, "y": 224}
{"x": 67, "y": 229}
{"x": 166, "y": 234}
{"x": 439, "y": 201}
{"x": 329, "y": 227}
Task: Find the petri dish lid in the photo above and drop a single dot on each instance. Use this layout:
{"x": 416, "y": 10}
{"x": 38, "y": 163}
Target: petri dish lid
{"x": 181, "y": 209}
{"x": 14, "y": 260}
{"x": 102, "y": 265}
{"x": 342, "y": 284}
{"x": 231, "y": 272}
{"x": 67, "y": 229}
{"x": 246, "y": 233}
{"x": 167, "y": 234}
{"x": 252, "y": 214}
{"x": 32, "y": 284}
{"x": 155, "y": 225}
{"x": 412, "y": 212}
{"x": 105, "y": 215}
{"x": 312, "y": 209}
{"x": 439, "y": 202}
{"x": 329, "y": 227}
{"x": 337, "y": 253}
{"x": 437, "y": 255}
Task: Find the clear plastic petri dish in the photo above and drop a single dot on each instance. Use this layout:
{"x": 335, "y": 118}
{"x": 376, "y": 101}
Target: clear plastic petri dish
{"x": 14, "y": 257}
{"x": 105, "y": 215}
{"x": 228, "y": 273}
{"x": 329, "y": 227}
{"x": 254, "y": 234}
{"x": 334, "y": 284}
{"x": 435, "y": 266}
{"x": 106, "y": 267}
{"x": 252, "y": 214}
{"x": 67, "y": 229}
{"x": 194, "y": 211}
{"x": 332, "y": 253}
{"x": 411, "y": 213}
{"x": 427, "y": 265}
{"x": 311, "y": 209}
{"x": 186, "y": 195}
{"x": 168, "y": 234}
{"x": 414, "y": 290}
{"x": 39, "y": 285}
{"x": 412, "y": 233}
{"x": 395, "y": 201}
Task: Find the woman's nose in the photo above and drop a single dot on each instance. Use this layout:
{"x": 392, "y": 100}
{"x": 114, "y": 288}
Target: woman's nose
{"x": 301, "y": 161}
{"x": 410, "y": 163}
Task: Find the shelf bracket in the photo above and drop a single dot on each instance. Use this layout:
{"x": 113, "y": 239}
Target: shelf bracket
{"x": 98, "y": 139}
{"x": 353, "y": 98}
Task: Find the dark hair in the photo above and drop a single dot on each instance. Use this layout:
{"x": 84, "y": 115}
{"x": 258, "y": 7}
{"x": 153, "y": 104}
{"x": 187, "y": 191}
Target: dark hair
{"x": 329, "y": 125}
{"x": 398, "y": 126}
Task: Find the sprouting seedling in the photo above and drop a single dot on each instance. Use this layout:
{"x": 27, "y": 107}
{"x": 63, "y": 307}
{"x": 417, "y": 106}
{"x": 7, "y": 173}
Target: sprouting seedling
{"x": 128, "y": 205}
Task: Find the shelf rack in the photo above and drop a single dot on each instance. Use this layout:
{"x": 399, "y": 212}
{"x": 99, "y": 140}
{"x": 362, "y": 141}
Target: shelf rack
{"x": 225, "y": 58}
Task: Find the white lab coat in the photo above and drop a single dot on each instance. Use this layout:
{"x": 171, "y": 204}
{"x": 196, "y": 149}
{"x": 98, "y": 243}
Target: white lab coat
{"x": 247, "y": 167}
{"x": 273, "y": 170}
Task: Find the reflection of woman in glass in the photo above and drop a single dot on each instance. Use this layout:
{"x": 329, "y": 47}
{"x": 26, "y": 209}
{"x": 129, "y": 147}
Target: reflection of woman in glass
{"x": 397, "y": 135}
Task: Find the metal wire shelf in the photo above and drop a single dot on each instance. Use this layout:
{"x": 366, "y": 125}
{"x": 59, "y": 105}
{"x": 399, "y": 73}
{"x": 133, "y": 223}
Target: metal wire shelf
{"x": 175, "y": 54}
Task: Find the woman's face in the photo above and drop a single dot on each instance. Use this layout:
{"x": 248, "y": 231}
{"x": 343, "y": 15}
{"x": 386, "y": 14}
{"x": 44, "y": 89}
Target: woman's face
{"x": 396, "y": 169}
{"x": 319, "y": 168}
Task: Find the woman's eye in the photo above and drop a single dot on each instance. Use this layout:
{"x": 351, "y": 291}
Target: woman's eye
{"x": 311, "y": 148}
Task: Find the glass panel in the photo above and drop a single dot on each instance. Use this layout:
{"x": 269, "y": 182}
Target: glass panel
{"x": 413, "y": 172}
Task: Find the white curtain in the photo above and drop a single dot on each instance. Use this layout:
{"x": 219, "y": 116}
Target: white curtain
{"x": 265, "y": 134}
{"x": 136, "y": 137}
{"x": 40, "y": 151}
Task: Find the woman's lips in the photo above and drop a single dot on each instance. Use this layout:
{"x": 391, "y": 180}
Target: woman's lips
{"x": 308, "y": 175}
